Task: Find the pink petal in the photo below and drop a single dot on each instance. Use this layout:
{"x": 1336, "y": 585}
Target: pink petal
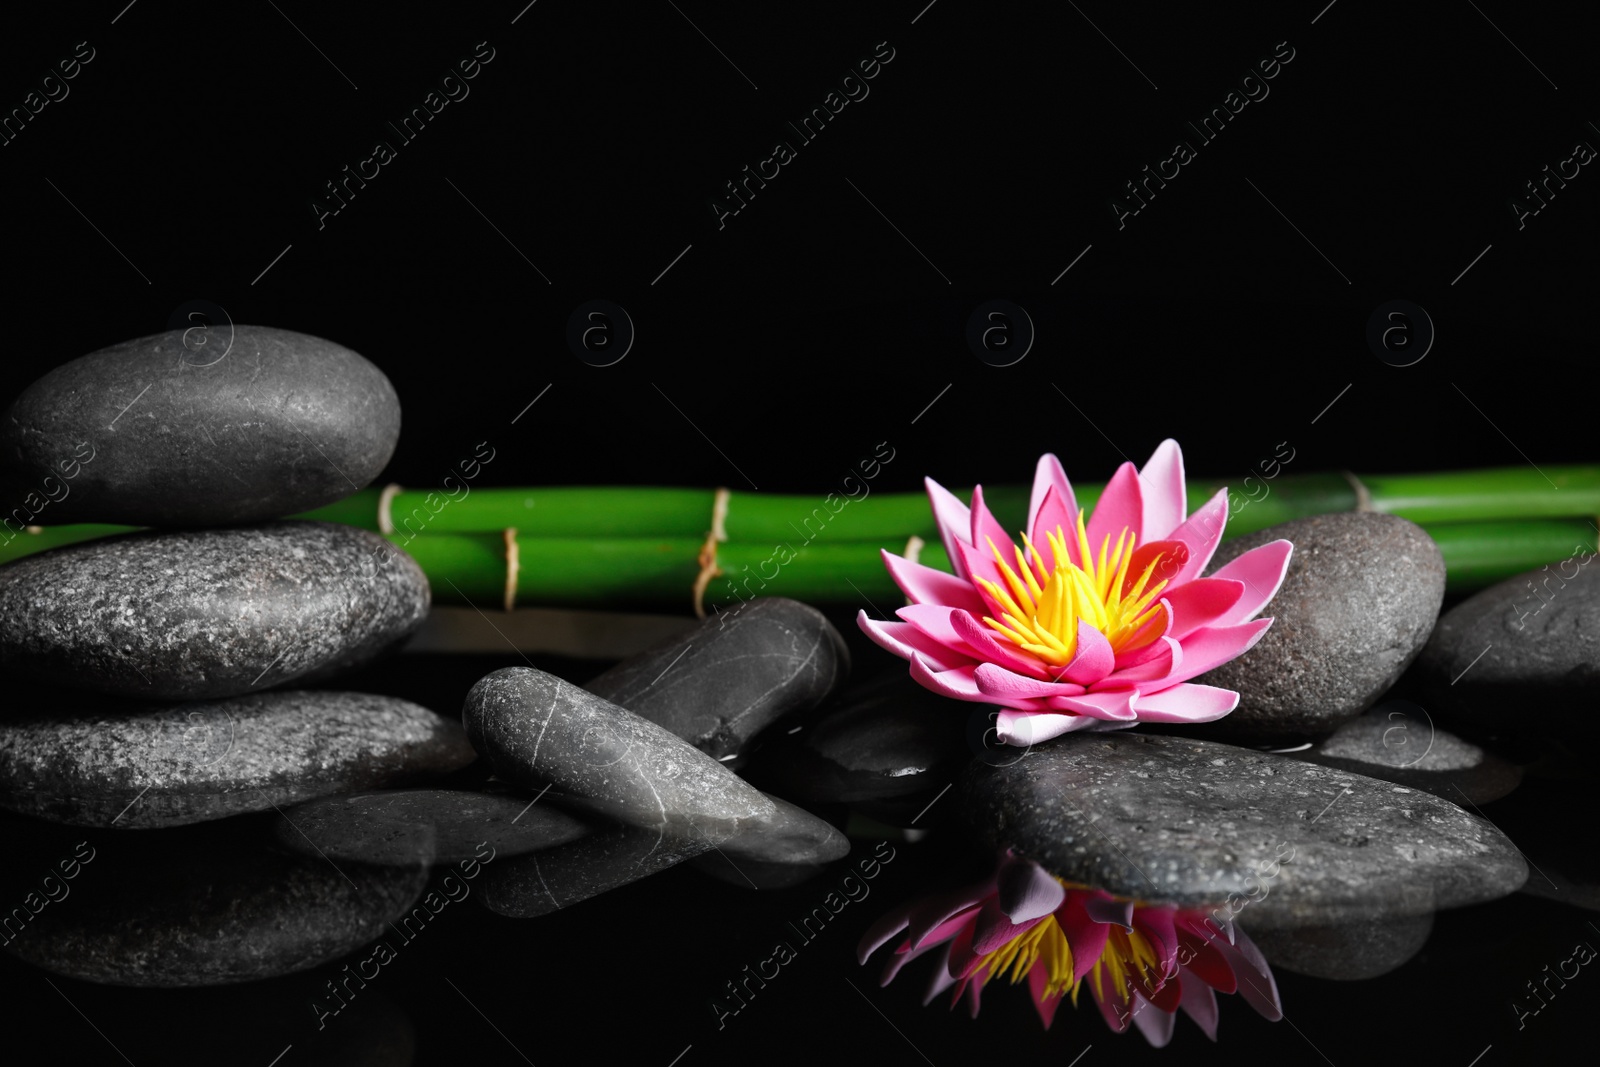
{"x": 1212, "y": 646}
{"x": 1114, "y": 1006}
{"x": 1261, "y": 570}
{"x": 954, "y": 519}
{"x": 994, "y": 929}
{"x": 1202, "y": 602}
{"x": 1104, "y": 909}
{"x": 899, "y": 959}
{"x": 906, "y": 641}
{"x": 1157, "y": 926}
{"x": 1200, "y": 1004}
{"x": 1038, "y": 978}
{"x": 1187, "y": 702}
{"x": 1114, "y": 705}
{"x": 1202, "y": 532}
{"x": 1204, "y": 960}
{"x": 1023, "y": 728}
{"x": 986, "y": 528}
{"x": 986, "y": 643}
{"x": 1121, "y": 506}
{"x": 1256, "y": 984}
{"x": 1048, "y": 476}
{"x": 1027, "y": 892}
{"x": 1155, "y": 1024}
{"x": 1166, "y": 656}
{"x": 1085, "y": 936}
{"x": 1002, "y": 684}
{"x": 926, "y": 585}
{"x": 1055, "y": 512}
{"x": 956, "y": 683}
{"x": 1165, "y": 496}
{"x": 1092, "y": 660}
{"x": 941, "y": 979}
{"x": 1145, "y": 643}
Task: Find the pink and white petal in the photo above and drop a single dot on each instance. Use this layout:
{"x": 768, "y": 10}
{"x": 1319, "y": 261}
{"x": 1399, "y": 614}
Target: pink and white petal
{"x": 1256, "y": 983}
{"x": 1261, "y": 570}
{"x": 1092, "y": 660}
{"x": 898, "y": 959}
{"x": 1121, "y": 506}
{"x": 1048, "y": 474}
{"x": 1086, "y": 937}
{"x": 956, "y": 683}
{"x": 1105, "y": 909}
{"x": 940, "y": 917}
{"x": 1156, "y": 923}
{"x": 1166, "y": 655}
{"x": 941, "y": 979}
{"x": 1202, "y": 602}
{"x": 1156, "y": 1025}
{"x": 1165, "y": 495}
{"x": 954, "y": 519}
{"x": 1187, "y": 702}
{"x": 1002, "y": 684}
{"x": 1027, "y": 892}
{"x": 986, "y": 528}
{"x": 1055, "y": 512}
{"x": 979, "y": 563}
{"x": 917, "y": 917}
{"x": 1212, "y": 646}
{"x": 1202, "y": 532}
{"x": 1200, "y": 1004}
{"x": 1038, "y": 979}
{"x": 1114, "y": 705}
{"x": 927, "y": 585}
{"x": 1115, "y": 1007}
{"x": 987, "y": 644}
{"x": 1023, "y": 728}
{"x": 994, "y": 928}
{"x": 907, "y": 642}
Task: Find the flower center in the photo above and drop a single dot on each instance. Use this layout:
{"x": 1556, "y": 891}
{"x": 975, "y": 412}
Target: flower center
{"x": 1042, "y": 942}
{"x": 1041, "y": 608}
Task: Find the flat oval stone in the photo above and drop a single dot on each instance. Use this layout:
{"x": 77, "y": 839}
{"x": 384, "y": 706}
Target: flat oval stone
{"x": 1200, "y": 824}
{"x": 1360, "y": 597}
{"x": 193, "y": 614}
{"x": 403, "y": 827}
{"x": 540, "y": 732}
{"x": 1521, "y": 657}
{"x": 1398, "y": 742}
{"x": 152, "y": 433}
{"x": 542, "y": 883}
{"x": 136, "y": 766}
{"x": 738, "y": 673}
{"x": 218, "y": 911}
{"x": 1349, "y": 952}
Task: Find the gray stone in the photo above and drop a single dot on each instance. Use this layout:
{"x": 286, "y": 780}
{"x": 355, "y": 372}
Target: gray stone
{"x": 194, "y": 614}
{"x": 402, "y": 827}
{"x": 1360, "y": 597}
{"x": 735, "y": 675}
{"x": 219, "y": 912}
{"x": 1200, "y": 824}
{"x": 1398, "y": 742}
{"x": 1349, "y": 952}
{"x": 541, "y": 883}
{"x": 150, "y": 432}
{"x": 142, "y": 766}
{"x": 1521, "y": 657}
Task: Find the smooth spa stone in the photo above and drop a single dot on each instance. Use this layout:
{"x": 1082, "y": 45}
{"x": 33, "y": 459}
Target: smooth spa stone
{"x": 796, "y": 847}
{"x": 736, "y": 674}
{"x": 1520, "y": 659}
{"x": 542, "y": 883}
{"x": 1360, "y": 597}
{"x": 1201, "y": 824}
{"x": 402, "y": 827}
{"x": 1399, "y": 742}
{"x": 1349, "y": 952}
{"x": 136, "y": 766}
{"x": 246, "y": 424}
{"x": 185, "y": 910}
{"x": 539, "y": 732}
{"x": 195, "y": 614}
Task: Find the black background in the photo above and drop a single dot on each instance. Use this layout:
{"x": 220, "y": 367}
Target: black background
{"x": 819, "y": 321}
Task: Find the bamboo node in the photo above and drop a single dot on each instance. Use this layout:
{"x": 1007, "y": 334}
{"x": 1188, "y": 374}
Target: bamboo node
{"x": 708, "y": 551}
{"x": 1363, "y": 494}
{"x": 385, "y": 500}
{"x": 513, "y": 565}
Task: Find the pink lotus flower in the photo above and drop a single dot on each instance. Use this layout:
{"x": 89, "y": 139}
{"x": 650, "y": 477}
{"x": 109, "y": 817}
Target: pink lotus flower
{"x": 1064, "y": 637}
{"x": 1142, "y": 962}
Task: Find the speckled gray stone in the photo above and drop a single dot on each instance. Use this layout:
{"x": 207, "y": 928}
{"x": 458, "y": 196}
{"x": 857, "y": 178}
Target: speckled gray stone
{"x": 136, "y": 766}
{"x": 194, "y": 614}
{"x": 150, "y": 432}
{"x": 1351, "y": 952}
{"x": 402, "y": 827}
{"x": 739, "y": 672}
{"x": 220, "y": 912}
{"x": 1360, "y": 597}
{"x": 1521, "y": 657}
{"x": 887, "y": 738}
{"x": 541, "y": 883}
{"x": 1398, "y": 742}
{"x": 1196, "y": 823}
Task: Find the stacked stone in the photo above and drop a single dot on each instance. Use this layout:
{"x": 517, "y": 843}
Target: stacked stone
{"x": 165, "y": 661}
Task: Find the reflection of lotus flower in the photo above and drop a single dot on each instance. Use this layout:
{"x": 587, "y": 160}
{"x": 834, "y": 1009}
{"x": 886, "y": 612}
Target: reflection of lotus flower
{"x": 1030, "y": 924}
{"x": 1096, "y": 625}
